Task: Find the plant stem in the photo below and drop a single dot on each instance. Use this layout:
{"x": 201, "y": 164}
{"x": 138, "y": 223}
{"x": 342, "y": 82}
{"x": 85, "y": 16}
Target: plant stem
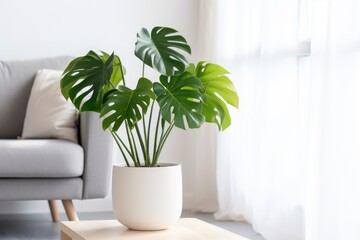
{"x": 128, "y": 134}
{"x": 123, "y": 144}
{"x": 146, "y": 140}
{"x": 149, "y": 127}
{"x": 144, "y": 127}
{"x": 155, "y": 140}
{"x": 162, "y": 142}
{"x": 143, "y": 69}
{"x": 135, "y": 148}
{"x": 121, "y": 150}
{"x": 162, "y": 131}
{"x": 166, "y": 135}
{"x": 142, "y": 145}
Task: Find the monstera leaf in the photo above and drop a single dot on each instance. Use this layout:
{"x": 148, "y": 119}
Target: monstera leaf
{"x": 87, "y": 78}
{"x": 126, "y": 104}
{"x": 218, "y": 90}
{"x": 160, "y": 50}
{"x": 179, "y": 96}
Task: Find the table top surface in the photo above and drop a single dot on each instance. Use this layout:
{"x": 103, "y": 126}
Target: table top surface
{"x": 184, "y": 229}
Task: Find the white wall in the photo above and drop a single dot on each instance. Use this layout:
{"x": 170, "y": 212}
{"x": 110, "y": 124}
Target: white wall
{"x": 43, "y": 28}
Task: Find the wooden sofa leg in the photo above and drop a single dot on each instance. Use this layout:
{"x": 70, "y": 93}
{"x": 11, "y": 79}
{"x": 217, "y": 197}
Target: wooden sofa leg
{"x": 54, "y": 211}
{"x": 70, "y": 210}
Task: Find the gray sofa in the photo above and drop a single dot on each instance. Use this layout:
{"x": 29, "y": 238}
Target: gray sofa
{"x": 48, "y": 169}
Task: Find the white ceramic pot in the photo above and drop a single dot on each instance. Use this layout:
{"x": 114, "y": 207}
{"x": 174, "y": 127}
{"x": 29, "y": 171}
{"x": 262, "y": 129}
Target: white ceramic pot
{"x": 147, "y": 198}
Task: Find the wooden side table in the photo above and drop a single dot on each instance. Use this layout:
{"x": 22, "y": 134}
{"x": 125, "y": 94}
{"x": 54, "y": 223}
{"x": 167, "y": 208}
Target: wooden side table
{"x": 184, "y": 229}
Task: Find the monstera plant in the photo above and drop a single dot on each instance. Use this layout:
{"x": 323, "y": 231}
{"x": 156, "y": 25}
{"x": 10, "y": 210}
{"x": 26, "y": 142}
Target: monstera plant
{"x": 187, "y": 94}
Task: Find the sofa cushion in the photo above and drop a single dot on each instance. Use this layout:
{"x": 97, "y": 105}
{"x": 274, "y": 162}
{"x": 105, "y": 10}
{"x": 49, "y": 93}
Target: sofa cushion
{"x": 48, "y": 114}
{"x": 50, "y": 158}
{"x": 16, "y": 79}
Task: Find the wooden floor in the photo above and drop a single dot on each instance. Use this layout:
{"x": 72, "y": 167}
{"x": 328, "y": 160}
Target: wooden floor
{"x": 41, "y": 227}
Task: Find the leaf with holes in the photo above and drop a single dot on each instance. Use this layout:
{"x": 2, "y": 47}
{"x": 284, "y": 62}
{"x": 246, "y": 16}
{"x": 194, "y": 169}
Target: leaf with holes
{"x": 87, "y": 78}
{"x": 180, "y": 98}
{"x": 126, "y": 104}
{"x": 160, "y": 50}
{"x": 218, "y": 90}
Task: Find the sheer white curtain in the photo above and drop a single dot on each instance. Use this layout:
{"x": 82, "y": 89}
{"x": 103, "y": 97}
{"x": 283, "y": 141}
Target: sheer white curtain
{"x": 333, "y": 209}
{"x": 259, "y": 43}
{"x": 290, "y": 162}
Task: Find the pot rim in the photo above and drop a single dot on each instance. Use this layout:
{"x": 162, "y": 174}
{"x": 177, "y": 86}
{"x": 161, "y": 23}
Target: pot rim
{"x": 159, "y": 165}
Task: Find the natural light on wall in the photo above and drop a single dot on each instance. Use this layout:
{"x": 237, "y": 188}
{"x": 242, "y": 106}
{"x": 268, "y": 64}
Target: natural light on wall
{"x": 290, "y": 162}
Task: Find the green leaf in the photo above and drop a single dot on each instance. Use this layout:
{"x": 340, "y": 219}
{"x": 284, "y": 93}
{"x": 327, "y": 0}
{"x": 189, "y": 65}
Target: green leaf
{"x": 160, "y": 50}
{"x": 218, "y": 90}
{"x": 116, "y": 75}
{"x": 87, "y": 78}
{"x": 126, "y": 104}
{"x": 179, "y": 96}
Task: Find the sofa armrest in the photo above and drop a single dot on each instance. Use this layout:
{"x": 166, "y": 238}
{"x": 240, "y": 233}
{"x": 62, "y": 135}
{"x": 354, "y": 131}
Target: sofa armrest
{"x": 98, "y": 151}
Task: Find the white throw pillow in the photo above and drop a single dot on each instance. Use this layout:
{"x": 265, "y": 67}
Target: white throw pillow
{"x": 48, "y": 114}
